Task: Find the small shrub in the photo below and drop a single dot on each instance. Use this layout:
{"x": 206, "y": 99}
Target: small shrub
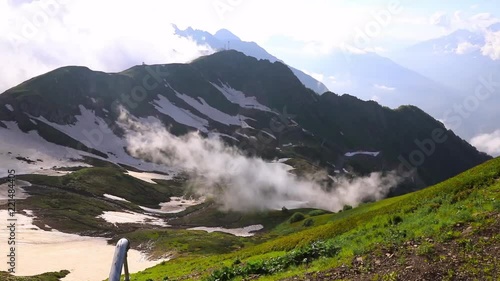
{"x": 316, "y": 213}
{"x": 308, "y": 222}
{"x": 395, "y": 220}
{"x": 284, "y": 210}
{"x": 271, "y": 266}
{"x": 426, "y": 249}
{"x": 346, "y": 207}
{"x": 297, "y": 217}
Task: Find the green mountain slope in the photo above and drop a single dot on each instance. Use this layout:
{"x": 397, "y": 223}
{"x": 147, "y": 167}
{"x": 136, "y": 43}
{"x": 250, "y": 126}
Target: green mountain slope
{"x": 452, "y": 225}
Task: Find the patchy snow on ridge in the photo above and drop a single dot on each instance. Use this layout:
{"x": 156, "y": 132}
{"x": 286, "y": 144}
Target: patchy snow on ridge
{"x": 112, "y": 197}
{"x": 95, "y": 133}
{"x": 9, "y": 107}
{"x": 148, "y": 177}
{"x": 244, "y": 125}
{"x": 213, "y": 113}
{"x": 281, "y": 160}
{"x": 241, "y": 232}
{"x": 20, "y": 192}
{"x": 220, "y": 135}
{"x": 239, "y": 98}
{"x": 351, "y": 154}
{"x": 180, "y": 115}
{"x": 130, "y": 217}
{"x": 175, "y": 205}
{"x": 269, "y": 134}
{"x": 45, "y": 155}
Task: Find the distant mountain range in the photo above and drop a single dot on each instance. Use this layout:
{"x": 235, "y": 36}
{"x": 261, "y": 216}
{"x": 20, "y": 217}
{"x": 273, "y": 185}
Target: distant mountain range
{"x": 457, "y": 61}
{"x": 69, "y": 117}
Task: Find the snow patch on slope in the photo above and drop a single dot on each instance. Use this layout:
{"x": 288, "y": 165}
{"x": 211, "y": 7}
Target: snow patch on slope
{"x": 148, "y": 177}
{"x": 131, "y": 217}
{"x": 220, "y": 135}
{"x": 180, "y": 115}
{"x": 211, "y": 112}
{"x": 52, "y": 245}
{"x": 242, "y": 232}
{"x": 175, "y": 205}
{"x": 16, "y": 143}
{"x": 351, "y": 154}
{"x": 20, "y": 192}
{"x": 112, "y": 197}
{"x": 239, "y": 98}
{"x": 95, "y": 133}
{"x": 9, "y": 107}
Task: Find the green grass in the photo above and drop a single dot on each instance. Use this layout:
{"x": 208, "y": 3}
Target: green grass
{"x": 49, "y": 276}
{"x": 468, "y": 198}
{"x": 72, "y": 202}
{"x": 110, "y": 180}
{"x": 180, "y": 242}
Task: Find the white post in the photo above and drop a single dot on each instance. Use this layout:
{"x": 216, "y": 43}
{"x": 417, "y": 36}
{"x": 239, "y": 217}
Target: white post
{"x": 120, "y": 260}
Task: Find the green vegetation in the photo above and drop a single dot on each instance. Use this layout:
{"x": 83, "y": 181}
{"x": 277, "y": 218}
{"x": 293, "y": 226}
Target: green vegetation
{"x": 308, "y": 222}
{"x": 314, "y": 213}
{"x": 432, "y": 214}
{"x": 49, "y": 276}
{"x": 346, "y": 207}
{"x": 72, "y": 202}
{"x": 271, "y": 266}
{"x": 182, "y": 242}
{"x": 297, "y": 217}
{"x": 109, "y": 180}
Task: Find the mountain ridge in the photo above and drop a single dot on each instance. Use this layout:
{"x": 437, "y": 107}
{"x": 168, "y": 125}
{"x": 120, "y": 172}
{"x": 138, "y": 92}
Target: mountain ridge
{"x": 239, "y": 97}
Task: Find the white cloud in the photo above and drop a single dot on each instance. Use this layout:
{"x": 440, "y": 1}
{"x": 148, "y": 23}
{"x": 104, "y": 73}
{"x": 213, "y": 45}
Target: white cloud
{"x": 440, "y": 19}
{"x": 489, "y": 143}
{"x": 412, "y": 20}
{"x": 384, "y": 87}
{"x": 243, "y": 183}
{"x": 318, "y": 76}
{"x": 456, "y": 20}
{"x": 491, "y": 47}
{"x": 36, "y": 38}
{"x": 466, "y": 48}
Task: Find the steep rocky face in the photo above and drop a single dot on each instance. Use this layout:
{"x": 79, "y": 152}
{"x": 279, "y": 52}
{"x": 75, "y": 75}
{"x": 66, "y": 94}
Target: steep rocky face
{"x": 261, "y": 107}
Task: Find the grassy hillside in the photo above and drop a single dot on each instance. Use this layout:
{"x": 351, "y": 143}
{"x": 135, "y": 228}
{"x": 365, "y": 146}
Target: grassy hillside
{"x": 49, "y": 276}
{"x": 71, "y": 203}
{"x": 453, "y": 225}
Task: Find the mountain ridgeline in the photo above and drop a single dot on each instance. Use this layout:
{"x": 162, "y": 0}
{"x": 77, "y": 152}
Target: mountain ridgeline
{"x": 259, "y": 106}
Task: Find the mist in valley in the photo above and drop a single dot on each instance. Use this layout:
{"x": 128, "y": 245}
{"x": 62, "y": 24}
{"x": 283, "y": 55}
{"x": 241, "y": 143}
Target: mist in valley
{"x": 241, "y": 183}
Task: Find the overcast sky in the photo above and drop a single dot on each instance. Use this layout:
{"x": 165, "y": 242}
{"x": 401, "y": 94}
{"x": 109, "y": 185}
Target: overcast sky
{"x": 112, "y": 35}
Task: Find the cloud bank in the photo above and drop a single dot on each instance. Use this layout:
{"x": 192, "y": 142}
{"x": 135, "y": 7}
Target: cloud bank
{"x": 39, "y": 36}
{"x": 489, "y": 143}
{"x": 242, "y": 183}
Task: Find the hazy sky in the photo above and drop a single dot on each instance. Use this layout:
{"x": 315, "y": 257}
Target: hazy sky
{"x": 39, "y": 35}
